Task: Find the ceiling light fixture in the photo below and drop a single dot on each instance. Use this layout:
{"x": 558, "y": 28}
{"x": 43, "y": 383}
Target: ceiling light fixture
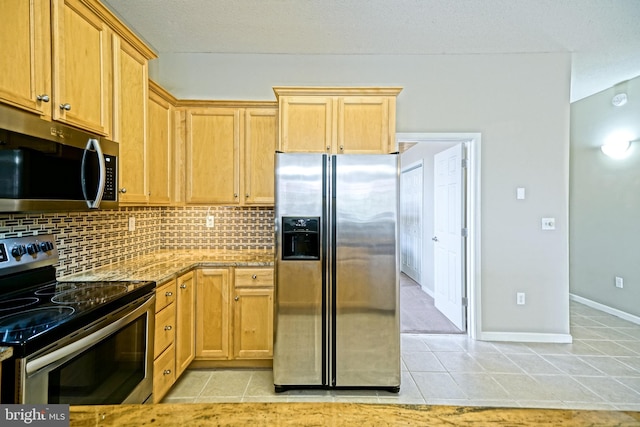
{"x": 617, "y": 145}
{"x": 619, "y": 99}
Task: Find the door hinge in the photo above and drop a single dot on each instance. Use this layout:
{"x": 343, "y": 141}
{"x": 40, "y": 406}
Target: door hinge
{"x": 465, "y": 163}
{"x": 465, "y": 232}
{"x": 465, "y": 301}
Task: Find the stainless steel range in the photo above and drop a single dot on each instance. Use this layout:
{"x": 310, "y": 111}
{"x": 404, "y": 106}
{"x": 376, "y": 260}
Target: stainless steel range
{"x": 73, "y": 342}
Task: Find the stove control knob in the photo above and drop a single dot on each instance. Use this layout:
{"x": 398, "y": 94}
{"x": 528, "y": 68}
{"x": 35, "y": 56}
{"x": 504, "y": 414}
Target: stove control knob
{"x": 18, "y": 250}
{"x": 46, "y": 246}
{"x": 32, "y": 248}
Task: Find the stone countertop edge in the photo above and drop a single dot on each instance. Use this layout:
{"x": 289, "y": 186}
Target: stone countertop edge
{"x": 163, "y": 266}
{"x": 5, "y": 353}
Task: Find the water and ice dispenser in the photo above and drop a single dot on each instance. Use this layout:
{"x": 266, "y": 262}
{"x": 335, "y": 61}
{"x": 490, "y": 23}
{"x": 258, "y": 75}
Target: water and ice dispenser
{"x": 300, "y": 238}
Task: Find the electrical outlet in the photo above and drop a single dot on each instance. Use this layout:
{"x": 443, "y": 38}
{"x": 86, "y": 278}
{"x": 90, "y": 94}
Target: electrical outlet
{"x": 619, "y": 282}
{"x": 210, "y": 221}
{"x": 520, "y": 298}
{"x": 132, "y": 223}
{"x": 548, "y": 223}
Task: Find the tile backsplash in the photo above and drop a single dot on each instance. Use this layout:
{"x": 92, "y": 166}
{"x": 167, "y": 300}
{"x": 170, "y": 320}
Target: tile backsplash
{"x": 92, "y": 239}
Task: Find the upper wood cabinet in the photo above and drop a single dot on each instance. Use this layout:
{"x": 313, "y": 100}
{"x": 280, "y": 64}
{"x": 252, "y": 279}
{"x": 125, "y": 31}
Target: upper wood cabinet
{"x": 337, "y": 120}
{"x": 25, "y": 62}
{"x": 130, "y": 121}
{"x": 81, "y": 66}
{"x": 230, "y": 153}
{"x": 160, "y": 144}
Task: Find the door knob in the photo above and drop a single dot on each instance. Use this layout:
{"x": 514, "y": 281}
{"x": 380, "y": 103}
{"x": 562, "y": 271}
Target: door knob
{"x": 434, "y": 238}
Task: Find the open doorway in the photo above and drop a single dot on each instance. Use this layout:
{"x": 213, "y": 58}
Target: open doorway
{"x": 429, "y": 302}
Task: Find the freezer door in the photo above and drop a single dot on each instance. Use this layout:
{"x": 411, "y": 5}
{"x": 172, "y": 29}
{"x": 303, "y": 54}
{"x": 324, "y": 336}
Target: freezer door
{"x": 366, "y": 268}
{"x": 300, "y": 321}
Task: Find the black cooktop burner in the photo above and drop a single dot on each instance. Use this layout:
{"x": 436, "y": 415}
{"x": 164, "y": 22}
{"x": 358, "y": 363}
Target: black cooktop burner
{"x": 55, "y": 288}
{"x": 16, "y": 303}
{"x": 34, "y": 318}
{"x": 90, "y": 294}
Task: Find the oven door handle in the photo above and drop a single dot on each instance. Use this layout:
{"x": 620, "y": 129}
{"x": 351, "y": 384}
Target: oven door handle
{"x": 60, "y": 355}
{"x": 95, "y": 144}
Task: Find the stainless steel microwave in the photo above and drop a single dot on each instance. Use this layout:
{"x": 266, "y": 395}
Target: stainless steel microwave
{"x": 46, "y": 166}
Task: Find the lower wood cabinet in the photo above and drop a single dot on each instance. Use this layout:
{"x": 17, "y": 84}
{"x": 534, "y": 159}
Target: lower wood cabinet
{"x": 185, "y": 321}
{"x": 234, "y": 314}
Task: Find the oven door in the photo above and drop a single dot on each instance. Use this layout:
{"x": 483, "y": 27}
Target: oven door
{"x": 111, "y": 364}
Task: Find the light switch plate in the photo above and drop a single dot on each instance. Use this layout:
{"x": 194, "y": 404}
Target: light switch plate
{"x": 520, "y": 193}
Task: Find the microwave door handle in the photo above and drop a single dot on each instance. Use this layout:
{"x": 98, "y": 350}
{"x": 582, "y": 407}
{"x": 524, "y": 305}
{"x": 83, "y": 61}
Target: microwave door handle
{"x": 94, "y": 143}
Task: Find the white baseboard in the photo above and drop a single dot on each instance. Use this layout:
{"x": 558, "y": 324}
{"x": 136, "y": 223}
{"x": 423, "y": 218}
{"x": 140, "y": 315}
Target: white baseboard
{"x": 610, "y": 310}
{"x": 525, "y": 337}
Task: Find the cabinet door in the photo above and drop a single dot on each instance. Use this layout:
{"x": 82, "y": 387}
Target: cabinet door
{"x": 160, "y": 146}
{"x": 213, "y": 155}
{"x": 260, "y": 139}
{"x": 253, "y": 323}
{"x": 185, "y": 322}
{"x": 81, "y": 67}
{"x": 130, "y": 113}
{"x": 363, "y": 125}
{"x": 213, "y": 314}
{"x": 25, "y": 62}
{"x": 306, "y": 124}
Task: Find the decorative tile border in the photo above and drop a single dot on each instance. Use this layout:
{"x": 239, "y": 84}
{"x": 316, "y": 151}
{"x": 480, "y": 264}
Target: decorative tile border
{"x": 87, "y": 240}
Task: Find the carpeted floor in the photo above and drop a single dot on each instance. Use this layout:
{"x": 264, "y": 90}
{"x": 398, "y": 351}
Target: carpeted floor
{"x": 418, "y": 314}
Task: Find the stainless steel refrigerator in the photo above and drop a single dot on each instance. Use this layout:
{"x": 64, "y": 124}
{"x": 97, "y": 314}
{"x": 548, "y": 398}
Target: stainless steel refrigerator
{"x": 337, "y": 321}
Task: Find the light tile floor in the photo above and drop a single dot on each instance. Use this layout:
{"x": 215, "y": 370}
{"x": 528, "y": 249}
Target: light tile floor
{"x": 599, "y": 370}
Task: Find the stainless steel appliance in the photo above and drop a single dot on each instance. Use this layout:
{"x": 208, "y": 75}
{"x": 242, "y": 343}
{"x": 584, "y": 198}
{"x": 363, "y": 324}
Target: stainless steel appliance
{"x": 45, "y": 166}
{"x": 337, "y": 283}
{"x": 73, "y": 342}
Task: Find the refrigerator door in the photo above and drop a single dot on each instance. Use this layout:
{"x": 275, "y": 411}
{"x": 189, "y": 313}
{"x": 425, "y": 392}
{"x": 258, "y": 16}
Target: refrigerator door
{"x": 365, "y": 271}
{"x": 300, "y": 323}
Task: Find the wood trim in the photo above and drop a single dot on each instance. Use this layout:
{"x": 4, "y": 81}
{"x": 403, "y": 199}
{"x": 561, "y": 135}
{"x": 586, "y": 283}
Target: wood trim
{"x": 203, "y": 103}
{"x": 336, "y": 91}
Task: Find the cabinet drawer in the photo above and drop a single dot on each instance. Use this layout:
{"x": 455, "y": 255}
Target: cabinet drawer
{"x": 165, "y": 295}
{"x": 253, "y": 277}
{"x": 165, "y": 333}
{"x": 164, "y": 373}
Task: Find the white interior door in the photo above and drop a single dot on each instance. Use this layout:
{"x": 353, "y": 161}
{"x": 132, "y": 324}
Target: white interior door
{"x": 411, "y": 222}
{"x": 448, "y": 236}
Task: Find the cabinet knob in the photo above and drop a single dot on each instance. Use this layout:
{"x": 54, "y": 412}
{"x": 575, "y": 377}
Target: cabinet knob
{"x": 44, "y": 97}
{"x": 235, "y": 195}
{"x": 237, "y": 298}
{"x": 66, "y": 107}
{"x": 168, "y": 294}
{"x": 254, "y": 277}
{"x": 246, "y": 195}
{"x": 168, "y": 328}
{"x": 342, "y": 148}
{"x": 328, "y": 148}
{"x": 166, "y": 372}
{"x": 183, "y": 286}
{"x": 123, "y": 190}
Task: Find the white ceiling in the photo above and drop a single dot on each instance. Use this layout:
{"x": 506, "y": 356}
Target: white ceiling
{"x": 602, "y": 35}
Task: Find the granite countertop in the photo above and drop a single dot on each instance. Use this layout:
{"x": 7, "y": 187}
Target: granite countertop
{"x": 164, "y": 265}
{"x": 5, "y": 353}
{"x": 338, "y": 414}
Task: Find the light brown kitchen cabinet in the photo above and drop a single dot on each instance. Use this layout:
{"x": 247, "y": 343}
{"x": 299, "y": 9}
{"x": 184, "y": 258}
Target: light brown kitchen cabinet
{"x": 160, "y": 145}
{"x": 253, "y": 313}
{"x": 82, "y": 66}
{"x": 337, "y": 120}
{"x": 213, "y": 313}
{"x": 234, "y": 321}
{"x": 25, "y": 62}
{"x": 130, "y": 121}
{"x": 164, "y": 365}
{"x": 230, "y": 151}
{"x": 185, "y": 321}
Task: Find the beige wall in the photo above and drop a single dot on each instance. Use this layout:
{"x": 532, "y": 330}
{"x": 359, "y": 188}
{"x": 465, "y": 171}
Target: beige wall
{"x": 605, "y": 201}
{"x": 520, "y": 105}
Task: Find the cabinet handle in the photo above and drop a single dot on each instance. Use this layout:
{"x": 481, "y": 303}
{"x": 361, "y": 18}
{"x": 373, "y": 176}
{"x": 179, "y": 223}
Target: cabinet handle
{"x": 254, "y": 277}
{"x": 183, "y": 286}
{"x": 246, "y": 195}
{"x": 235, "y": 195}
{"x": 168, "y": 328}
{"x": 123, "y": 190}
{"x": 66, "y": 107}
{"x": 44, "y": 97}
{"x": 237, "y": 298}
{"x": 342, "y": 148}
{"x": 168, "y": 294}
{"x": 328, "y": 148}
{"x": 166, "y": 372}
